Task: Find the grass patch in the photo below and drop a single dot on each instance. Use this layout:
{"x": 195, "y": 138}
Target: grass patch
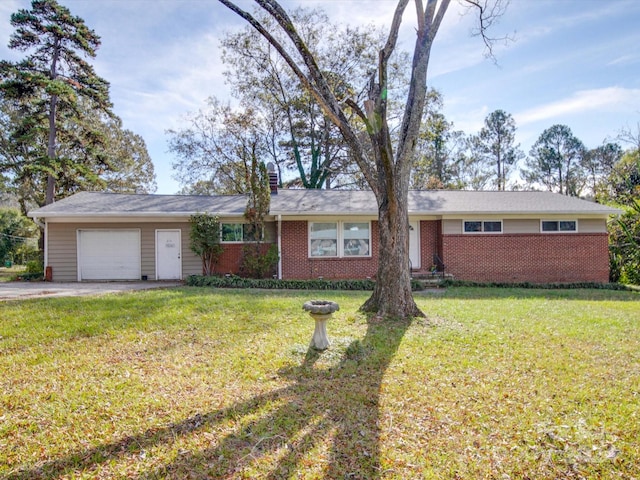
{"x": 203, "y": 383}
{"x": 8, "y": 274}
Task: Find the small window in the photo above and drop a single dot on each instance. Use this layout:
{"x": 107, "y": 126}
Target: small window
{"x": 237, "y": 233}
{"x": 323, "y": 239}
{"x": 231, "y": 232}
{"x": 559, "y": 226}
{"x": 489, "y": 226}
{"x": 493, "y": 227}
{"x": 472, "y": 227}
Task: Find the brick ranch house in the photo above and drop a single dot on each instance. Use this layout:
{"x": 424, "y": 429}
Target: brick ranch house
{"x": 536, "y": 237}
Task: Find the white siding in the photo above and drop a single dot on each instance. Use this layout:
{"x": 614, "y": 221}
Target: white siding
{"x": 63, "y": 252}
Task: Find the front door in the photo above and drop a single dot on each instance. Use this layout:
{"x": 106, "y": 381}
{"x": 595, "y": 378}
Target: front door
{"x": 168, "y": 255}
{"x": 414, "y": 245}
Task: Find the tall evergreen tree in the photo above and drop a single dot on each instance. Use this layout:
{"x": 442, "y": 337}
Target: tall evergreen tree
{"x": 555, "y": 161}
{"x": 48, "y": 83}
{"x": 496, "y": 142}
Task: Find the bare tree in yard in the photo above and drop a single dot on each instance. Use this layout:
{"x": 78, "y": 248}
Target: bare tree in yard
{"x": 385, "y": 166}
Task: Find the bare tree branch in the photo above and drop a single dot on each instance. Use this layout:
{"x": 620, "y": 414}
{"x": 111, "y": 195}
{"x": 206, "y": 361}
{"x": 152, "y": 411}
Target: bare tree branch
{"x": 430, "y": 21}
{"x": 489, "y": 13}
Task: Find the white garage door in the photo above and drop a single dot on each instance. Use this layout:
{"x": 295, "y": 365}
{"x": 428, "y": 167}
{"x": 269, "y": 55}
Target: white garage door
{"x": 108, "y": 255}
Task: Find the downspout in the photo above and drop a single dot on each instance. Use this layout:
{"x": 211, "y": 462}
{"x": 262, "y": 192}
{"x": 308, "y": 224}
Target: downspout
{"x": 46, "y": 244}
{"x": 279, "y": 247}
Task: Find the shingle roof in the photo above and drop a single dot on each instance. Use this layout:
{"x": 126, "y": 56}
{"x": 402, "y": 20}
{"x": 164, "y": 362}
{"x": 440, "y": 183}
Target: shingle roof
{"x": 434, "y": 202}
{"x": 115, "y": 204}
{"x": 322, "y": 202}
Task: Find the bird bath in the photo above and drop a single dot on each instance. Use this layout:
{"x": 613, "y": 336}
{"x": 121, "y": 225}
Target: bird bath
{"x": 320, "y": 311}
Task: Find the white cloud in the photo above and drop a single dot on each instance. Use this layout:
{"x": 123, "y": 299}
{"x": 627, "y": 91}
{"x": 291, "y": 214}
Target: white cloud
{"x": 607, "y": 99}
{"x": 624, "y": 60}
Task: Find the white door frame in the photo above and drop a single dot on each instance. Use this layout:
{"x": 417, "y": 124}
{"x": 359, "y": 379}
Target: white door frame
{"x": 414, "y": 245}
{"x": 179, "y": 250}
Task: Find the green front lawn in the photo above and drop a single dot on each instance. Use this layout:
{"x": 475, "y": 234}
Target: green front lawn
{"x": 200, "y": 383}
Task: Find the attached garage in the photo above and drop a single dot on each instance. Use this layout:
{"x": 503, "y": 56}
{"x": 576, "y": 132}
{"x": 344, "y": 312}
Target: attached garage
{"x": 109, "y": 254}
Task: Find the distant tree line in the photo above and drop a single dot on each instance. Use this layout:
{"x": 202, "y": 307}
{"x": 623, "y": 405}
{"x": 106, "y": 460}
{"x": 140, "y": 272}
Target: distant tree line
{"x": 275, "y": 118}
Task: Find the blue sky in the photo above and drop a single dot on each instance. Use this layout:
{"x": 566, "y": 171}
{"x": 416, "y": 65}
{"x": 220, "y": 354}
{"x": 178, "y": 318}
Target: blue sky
{"x": 573, "y": 62}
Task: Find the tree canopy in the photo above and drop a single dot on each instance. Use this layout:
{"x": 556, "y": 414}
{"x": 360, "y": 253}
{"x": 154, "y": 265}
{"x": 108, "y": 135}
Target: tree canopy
{"x": 555, "y": 161}
{"x": 496, "y": 145}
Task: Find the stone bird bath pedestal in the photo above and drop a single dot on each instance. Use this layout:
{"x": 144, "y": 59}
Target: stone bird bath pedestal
{"x": 320, "y": 311}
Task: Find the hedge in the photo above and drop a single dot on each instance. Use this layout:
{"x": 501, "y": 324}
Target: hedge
{"x": 233, "y": 281}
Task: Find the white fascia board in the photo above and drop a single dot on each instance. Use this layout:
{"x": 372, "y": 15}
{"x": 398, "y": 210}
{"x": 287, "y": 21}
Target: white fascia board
{"x": 333, "y": 213}
{"x": 524, "y": 215}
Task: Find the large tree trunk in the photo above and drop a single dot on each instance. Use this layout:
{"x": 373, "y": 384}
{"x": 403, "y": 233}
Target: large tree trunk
{"x": 392, "y": 296}
{"x": 51, "y": 144}
{"x": 51, "y": 150}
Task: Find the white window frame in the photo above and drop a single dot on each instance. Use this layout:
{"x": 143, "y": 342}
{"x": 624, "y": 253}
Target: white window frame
{"x": 572, "y": 220}
{"x": 482, "y": 231}
{"x": 227, "y": 242}
{"x": 340, "y": 239}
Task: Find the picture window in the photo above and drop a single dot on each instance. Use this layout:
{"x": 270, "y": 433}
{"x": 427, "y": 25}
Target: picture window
{"x": 340, "y": 239}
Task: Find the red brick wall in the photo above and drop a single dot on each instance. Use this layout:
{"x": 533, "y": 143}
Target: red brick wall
{"x": 296, "y": 263}
{"x": 539, "y": 258}
{"x": 231, "y": 258}
{"x": 430, "y": 242}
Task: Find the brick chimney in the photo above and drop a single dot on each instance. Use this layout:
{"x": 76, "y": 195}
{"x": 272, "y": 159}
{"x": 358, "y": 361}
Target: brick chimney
{"x": 273, "y": 178}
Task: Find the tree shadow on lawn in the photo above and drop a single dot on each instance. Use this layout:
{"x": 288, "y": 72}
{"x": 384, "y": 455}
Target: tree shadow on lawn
{"x": 327, "y": 420}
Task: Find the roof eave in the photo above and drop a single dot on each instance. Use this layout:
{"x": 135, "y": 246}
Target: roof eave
{"x": 125, "y": 214}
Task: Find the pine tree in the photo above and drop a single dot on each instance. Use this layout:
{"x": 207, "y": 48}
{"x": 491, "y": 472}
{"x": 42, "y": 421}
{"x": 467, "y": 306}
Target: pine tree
{"x": 47, "y": 86}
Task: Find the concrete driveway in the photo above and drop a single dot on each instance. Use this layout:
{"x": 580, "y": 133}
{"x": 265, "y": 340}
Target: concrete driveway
{"x": 22, "y": 290}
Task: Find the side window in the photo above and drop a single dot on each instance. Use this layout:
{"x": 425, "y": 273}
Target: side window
{"x": 487, "y": 226}
{"x": 237, "y": 233}
{"x": 550, "y": 226}
{"x": 231, "y": 232}
{"x": 472, "y": 227}
{"x": 492, "y": 227}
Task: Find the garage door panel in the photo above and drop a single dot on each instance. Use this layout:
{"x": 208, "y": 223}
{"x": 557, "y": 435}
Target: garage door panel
{"x": 109, "y": 254}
